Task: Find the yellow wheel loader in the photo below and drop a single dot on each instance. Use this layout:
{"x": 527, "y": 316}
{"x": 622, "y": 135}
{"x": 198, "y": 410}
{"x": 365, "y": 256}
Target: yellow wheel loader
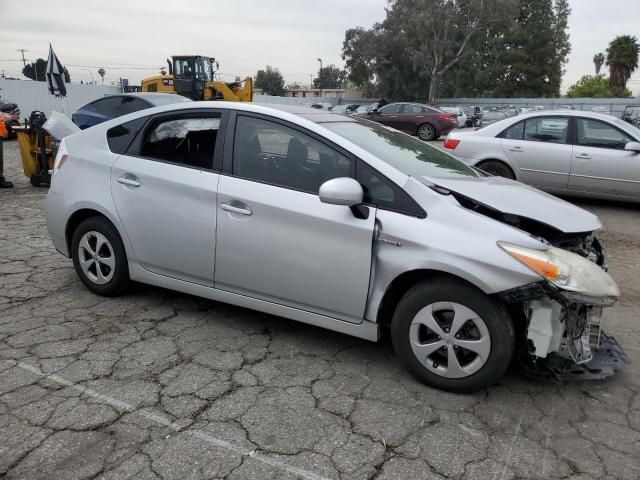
{"x": 192, "y": 76}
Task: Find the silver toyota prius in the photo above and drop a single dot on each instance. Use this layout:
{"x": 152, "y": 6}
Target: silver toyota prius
{"x": 342, "y": 223}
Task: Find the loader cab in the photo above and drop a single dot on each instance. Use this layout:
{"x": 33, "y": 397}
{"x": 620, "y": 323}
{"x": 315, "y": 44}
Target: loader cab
{"x": 191, "y": 74}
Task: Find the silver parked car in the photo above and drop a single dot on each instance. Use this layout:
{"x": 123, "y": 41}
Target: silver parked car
{"x": 571, "y": 153}
{"x": 343, "y": 223}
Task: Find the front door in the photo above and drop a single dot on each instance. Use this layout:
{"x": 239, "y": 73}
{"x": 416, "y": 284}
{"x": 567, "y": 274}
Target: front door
{"x": 601, "y": 165}
{"x": 275, "y": 240}
{"x": 540, "y": 148}
{"x": 164, "y": 190}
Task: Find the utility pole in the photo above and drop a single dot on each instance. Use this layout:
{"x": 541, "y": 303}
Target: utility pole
{"x": 24, "y": 60}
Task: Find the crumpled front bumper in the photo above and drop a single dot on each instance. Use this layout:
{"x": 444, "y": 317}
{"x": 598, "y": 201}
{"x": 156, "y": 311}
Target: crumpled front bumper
{"x": 563, "y": 339}
{"x": 605, "y": 361}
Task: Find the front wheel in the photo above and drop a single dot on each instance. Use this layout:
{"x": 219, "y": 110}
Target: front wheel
{"x": 497, "y": 169}
{"x": 99, "y": 257}
{"x": 452, "y": 336}
{"x": 426, "y": 132}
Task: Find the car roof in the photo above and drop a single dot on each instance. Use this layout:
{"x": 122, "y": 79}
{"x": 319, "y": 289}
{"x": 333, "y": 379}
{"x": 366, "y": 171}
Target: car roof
{"x": 153, "y": 98}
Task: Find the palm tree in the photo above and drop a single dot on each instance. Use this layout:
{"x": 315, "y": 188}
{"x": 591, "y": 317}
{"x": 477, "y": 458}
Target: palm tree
{"x": 598, "y": 60}
{"x": 622, "y": 60}
{"x": 101, "y": 72}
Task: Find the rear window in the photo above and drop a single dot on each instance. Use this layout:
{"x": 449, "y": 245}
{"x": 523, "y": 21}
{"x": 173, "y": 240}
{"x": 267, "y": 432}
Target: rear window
{"x": 408, "y": 154}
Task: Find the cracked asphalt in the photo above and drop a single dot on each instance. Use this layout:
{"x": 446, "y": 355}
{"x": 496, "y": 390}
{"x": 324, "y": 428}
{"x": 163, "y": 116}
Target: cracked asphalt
{"x": 161, "y": 385}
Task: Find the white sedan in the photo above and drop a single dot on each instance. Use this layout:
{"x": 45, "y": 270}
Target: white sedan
{"x": 570, "y": 152}
{"x": 461, "y": 117}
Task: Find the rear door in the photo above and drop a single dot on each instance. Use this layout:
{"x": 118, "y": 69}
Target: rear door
{"x": 540, "y": 148}
{"x": 275, "y": 240}
{"x": 164, "y": 189}
{"x": 601, "y": 165}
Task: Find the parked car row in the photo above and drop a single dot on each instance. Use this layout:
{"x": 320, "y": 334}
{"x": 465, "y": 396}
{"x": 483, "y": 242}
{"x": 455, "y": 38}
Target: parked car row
{"x": 571, "y": 153}
{"x": 343, "y": 223}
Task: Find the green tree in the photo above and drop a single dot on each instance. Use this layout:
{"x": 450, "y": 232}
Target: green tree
{"x": 622, "y": 60}
{"x": 593, "y": 86}
{"x": 598, "y": 61}
{"x": 270, "y": 81}
{"x": 36, "y": 71}
{"x": 330, "y": 77}
{"x": 425, "y": 48}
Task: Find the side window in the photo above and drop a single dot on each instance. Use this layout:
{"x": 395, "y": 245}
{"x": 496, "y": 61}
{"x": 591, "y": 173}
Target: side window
{"x": 271, "y": 153}
{"x": 413, "y": 109}
{"x": 547, "y": 129}
{"x": 393, "y": 108}
{"x": 107, "y": 106}
{"x": 383, "y": 193}
{"x": 514, "y": 132}
{"x": 120, "y": 137}
{"x": 130, "y": 105}
{"x": 188, "y": 141}
{"x": 593, "y": 133}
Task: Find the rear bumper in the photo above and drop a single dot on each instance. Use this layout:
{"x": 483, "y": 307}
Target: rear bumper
{"x": 56, "y": 208}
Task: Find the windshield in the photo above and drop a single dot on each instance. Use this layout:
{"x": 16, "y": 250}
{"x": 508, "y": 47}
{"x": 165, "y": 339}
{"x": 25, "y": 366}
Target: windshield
{"x": 409, "y": 155}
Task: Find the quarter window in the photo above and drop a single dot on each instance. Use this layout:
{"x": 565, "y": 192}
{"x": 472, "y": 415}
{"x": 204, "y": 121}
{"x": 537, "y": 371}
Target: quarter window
{"x": 379, "y": 191}
{"x": 547, "y": 129}
{"x": 188, "y": 141}
{"x": 120, "y": 137}
{"x": 272, "y": 153}
{"x": 593, "y": 133}
{"x": 514, "y": 132}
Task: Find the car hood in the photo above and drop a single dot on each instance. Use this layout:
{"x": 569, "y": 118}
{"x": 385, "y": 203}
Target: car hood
{"x": 514, "y": 198}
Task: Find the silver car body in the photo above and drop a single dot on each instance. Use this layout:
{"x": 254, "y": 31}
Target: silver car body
{"x": 284, "y": 252}
{"x": 568, "y": 168}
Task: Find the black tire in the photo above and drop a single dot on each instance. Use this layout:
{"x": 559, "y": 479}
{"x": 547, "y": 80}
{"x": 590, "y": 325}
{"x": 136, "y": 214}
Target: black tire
{"x": 426, "y": 132}
{"x": 119, "y": 277}
{"x": 497, "y": 168}
{"x": 493, "y": 313}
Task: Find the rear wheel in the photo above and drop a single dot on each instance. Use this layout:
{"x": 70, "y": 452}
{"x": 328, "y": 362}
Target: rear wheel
{"x": 426, "y": 132}
{"x": 452, "y": 336}
{"x": 99, "y": 257}
{"x": 497, "y": 168}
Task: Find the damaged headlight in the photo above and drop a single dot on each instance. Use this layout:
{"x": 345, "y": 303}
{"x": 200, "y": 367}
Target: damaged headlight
{"x": 568, "y": 271}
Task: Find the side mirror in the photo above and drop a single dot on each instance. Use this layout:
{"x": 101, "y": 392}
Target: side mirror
{"x": 633, "y": 147}
{"x": 341, "y": 191}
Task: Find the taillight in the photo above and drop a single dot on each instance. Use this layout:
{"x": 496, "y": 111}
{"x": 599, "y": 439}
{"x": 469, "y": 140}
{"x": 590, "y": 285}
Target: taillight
{"x": 451, "y": 143}
{"x": 61, "y": 157}
{"x": 451, "y": 118}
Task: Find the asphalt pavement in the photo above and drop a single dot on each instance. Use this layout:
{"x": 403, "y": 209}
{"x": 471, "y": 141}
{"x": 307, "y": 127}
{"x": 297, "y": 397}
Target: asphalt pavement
{"x": 156, "y": 384}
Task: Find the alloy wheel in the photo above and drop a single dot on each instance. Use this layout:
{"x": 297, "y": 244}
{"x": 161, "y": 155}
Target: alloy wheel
{"x": 426, "y": 132}
{"x": 450, "y": 340}
{"x": 96, "y": 256}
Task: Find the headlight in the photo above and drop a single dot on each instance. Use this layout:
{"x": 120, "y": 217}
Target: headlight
{"x": 566, "y": 270}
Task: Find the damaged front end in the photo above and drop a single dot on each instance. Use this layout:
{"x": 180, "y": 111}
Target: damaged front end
{"x": 563, "y": 338}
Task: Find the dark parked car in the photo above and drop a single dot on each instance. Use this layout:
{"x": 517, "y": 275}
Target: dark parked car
{"x": 113, "y": 106}
{"x": 474, "y": 115}
{"x": 424, "y": 121}
{"x": 493, "y": 116}
{"x": 349, "y": 109}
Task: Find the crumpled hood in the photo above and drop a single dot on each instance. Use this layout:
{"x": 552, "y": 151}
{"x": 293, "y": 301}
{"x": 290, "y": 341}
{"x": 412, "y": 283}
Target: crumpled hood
{"x": 515, "y": 198}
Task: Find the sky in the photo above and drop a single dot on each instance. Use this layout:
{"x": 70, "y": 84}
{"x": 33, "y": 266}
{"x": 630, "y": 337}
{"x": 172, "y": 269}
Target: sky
{"x": 131, "y": 39}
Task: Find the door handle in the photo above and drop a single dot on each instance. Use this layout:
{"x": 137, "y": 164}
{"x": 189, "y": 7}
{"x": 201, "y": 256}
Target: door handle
{"x": 515, "y": 149}
{"x": 128, "y": 181}
{"x": 234, "y": 209}
{"x": 583, "y": 156}
{"x": 393, "y": 116}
